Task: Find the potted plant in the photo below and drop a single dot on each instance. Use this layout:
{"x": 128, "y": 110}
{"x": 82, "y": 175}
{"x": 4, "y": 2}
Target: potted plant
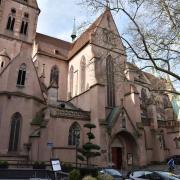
{"x": 4, "y": 164}
{"x": 39, "y": 165}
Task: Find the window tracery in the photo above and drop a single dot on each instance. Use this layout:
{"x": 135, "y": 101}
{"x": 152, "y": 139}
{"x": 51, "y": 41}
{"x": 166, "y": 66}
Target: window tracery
{"x": 15, "y": 132}
{"x": 21, "y": 75}
{"x": 110, "y": 82}
{"x": 74, "y": 134}
{"x": 83, "y": 73}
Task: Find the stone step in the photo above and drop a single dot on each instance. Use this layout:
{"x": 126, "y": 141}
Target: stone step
{"x": 15, "y": 160}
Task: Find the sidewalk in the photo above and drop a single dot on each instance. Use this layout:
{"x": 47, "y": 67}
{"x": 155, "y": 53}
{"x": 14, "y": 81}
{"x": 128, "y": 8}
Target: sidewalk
{"x": 164, "y": 168}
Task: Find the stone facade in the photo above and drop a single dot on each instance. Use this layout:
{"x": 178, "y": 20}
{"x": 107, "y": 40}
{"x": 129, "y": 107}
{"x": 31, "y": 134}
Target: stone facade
{"x": 49, "y": 86}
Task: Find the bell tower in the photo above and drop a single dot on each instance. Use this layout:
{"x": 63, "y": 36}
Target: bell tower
{"x": 18, "y": 19}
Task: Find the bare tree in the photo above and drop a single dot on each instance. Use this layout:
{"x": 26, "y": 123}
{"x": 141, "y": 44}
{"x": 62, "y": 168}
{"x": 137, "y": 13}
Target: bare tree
{"x": 152, "y": 36}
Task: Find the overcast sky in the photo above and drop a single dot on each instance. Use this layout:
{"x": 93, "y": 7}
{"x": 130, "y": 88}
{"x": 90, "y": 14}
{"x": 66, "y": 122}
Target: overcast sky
{"x": 56, "y": 17}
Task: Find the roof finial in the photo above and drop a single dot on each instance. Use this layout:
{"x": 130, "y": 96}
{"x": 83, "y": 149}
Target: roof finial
{"x": 107, "y": 4}
{"x": 73, "y": 35}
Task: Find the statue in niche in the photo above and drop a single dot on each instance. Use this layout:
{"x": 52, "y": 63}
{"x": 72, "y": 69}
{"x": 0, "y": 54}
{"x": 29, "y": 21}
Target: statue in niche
{"x": 54, "y": 78}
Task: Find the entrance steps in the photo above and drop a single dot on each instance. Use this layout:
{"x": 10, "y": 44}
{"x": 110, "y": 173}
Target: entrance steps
{"x": 14, "y": 160}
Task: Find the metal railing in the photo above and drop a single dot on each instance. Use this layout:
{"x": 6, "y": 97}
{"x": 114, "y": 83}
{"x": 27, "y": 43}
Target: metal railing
{"x": 28, "y": 174}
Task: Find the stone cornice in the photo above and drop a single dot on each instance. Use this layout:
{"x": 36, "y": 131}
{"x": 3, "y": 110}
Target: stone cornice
{"x": 20, "y": 94}
{"x": 14, "y": 38}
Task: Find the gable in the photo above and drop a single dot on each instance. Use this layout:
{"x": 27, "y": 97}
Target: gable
{"x": 8, "y": 78}
{"x": 106, "y": 34}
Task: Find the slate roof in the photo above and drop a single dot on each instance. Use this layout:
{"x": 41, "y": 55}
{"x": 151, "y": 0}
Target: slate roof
{"x": 47, "y": 45}
{"x": 66, "y": 49}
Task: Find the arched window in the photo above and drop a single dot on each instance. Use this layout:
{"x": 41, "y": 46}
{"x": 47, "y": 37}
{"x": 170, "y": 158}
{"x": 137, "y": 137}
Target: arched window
{"x": 54, "y": 77}
{"x": 11, "y": 20}
{"x": 71, "y": 77}
{"x": 21, "y": 75}
{"x": 110, "y": 82}
{"x": 144, "y": 98}
{"x": 74, "y": 134}
{"x": 10, "y": 23}
{"x": 15, "y": 132}
{"x": 83, "y": 73}
{"x": 24, "y": 24}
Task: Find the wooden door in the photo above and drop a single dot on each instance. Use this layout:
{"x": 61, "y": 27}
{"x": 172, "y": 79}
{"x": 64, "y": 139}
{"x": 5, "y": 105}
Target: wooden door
{"x": 117, "y": 157}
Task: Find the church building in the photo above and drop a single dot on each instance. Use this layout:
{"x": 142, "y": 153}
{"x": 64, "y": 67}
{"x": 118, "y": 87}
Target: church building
{"x": 50, "y": 88}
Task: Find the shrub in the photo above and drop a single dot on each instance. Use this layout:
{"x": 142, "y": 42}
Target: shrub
{"x": 89, "y": 150}
{"x": 39, "y": 165}
{"x": 85, "y": 171}
{"x": 4, "y": 164}
{"x": 74, "y": 175}
{"x": 89, "y": 178}
{"x": 104, "y": 177}
{"x": 67, "y": 167}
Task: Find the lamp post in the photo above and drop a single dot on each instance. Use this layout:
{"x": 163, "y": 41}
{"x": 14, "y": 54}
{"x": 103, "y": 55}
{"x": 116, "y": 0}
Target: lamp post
{"x": 76, "y": 134}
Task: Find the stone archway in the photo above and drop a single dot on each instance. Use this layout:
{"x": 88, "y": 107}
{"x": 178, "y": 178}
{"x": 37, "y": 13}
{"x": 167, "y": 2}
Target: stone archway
{"x": 124, "y": 150}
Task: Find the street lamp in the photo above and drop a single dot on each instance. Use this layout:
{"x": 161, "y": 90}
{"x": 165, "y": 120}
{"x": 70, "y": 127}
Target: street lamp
{"x": 76, "y": 134}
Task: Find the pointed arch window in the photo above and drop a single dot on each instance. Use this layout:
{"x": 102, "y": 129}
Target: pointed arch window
{"x": 24, "y": 24}
{"x": 11, "y": 20}
{"x": 83, "y": 73}
{"x": 110, "y": 82}
{"x": 144, "y": 113}
{"x": 71, "y": 77}
{"x": 24, "y": 27}
{"x": 54, "y": 77}
{"x": 74, "y": 134}
{"x": 15, "y": 132}
{"x": 10, "y": 23}
{"x": 21, "y": 75}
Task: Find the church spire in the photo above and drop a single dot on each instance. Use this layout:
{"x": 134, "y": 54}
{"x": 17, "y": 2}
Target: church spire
{"x": 107, "y": 5}
{"x": 73, "y": 35}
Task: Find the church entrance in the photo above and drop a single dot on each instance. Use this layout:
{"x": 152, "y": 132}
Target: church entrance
{"x": 117, "y": 157}
{"x": 124, "y": 151}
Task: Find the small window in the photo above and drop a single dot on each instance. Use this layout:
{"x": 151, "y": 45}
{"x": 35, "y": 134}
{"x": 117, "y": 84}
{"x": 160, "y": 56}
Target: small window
{"x": 56, "y": 52}
{"x": 13, "y": 11}
{"x": 2, "y": 64}
{"x": 26, "y": 15}
{"x": 10, "y": 23}
{"x": 21, "y": 75}
{"x": 24, "y": 27}
{"x": 11, "y": 20}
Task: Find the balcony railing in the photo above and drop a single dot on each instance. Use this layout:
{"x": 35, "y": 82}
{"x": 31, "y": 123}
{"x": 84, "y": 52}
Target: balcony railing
{"x": 168, "y": 124}
{"x": 172, "y": 124}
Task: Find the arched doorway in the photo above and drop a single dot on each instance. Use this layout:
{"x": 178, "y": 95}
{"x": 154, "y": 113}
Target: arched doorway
{"x": 124, "y": 150}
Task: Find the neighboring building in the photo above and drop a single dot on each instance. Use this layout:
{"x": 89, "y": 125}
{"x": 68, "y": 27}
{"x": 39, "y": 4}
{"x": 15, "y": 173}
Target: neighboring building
{"x": 50, "y": 88}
